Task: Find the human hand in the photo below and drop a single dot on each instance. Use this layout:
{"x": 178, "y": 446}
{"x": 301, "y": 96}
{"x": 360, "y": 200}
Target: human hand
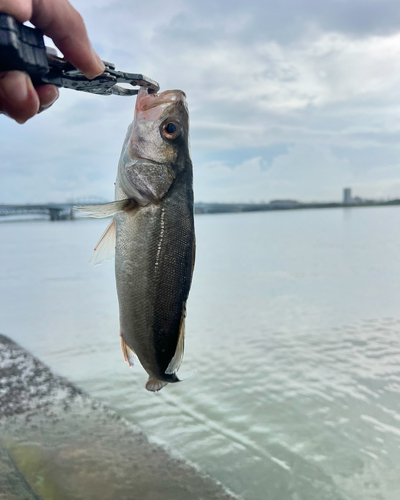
{"x": 19, "y": 99}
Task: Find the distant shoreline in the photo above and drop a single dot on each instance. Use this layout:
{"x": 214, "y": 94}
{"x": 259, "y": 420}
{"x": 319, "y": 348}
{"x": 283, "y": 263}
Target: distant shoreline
{"x": 214, "y": 208}
{"x": 66, "y": 211}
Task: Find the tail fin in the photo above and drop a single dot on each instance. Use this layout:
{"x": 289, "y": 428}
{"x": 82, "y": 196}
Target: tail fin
{"x": 154, "y": 384}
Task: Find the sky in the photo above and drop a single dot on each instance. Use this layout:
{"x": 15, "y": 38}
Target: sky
{"x": 292, "y": 99}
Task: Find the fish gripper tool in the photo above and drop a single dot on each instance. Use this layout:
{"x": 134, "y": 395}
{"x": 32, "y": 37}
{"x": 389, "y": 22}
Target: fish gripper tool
{"x": 22, "y": 48}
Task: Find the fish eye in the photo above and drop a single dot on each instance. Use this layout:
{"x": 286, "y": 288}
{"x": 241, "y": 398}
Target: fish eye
{"x": 171, "y": 130}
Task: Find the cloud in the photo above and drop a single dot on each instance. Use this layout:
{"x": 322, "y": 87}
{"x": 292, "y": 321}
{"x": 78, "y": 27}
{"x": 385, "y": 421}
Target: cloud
{"x": 303, "y": 172}
{"x": 285, "y": 178}
{"x": 311, "y": 76}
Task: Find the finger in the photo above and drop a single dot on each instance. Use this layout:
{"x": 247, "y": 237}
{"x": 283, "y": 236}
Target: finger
{"x": 48, "y": 95}
{"x": 60, "y": 21}
{"x": 20, "y": 9}
{"x": 18, "y": 98}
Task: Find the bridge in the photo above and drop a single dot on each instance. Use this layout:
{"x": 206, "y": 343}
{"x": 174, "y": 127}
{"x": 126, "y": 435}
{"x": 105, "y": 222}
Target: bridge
{"x": 56, "y": 211}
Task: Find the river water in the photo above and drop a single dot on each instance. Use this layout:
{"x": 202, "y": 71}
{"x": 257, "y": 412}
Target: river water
{"x": 293, "y": 327}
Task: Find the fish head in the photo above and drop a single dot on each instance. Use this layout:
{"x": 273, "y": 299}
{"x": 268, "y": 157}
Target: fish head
{"x": 161, "y": 126}
{"x": 156, "y": 146}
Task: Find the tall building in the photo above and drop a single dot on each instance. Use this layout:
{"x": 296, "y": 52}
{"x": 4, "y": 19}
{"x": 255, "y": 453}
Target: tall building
{"x": 346, "y": 196}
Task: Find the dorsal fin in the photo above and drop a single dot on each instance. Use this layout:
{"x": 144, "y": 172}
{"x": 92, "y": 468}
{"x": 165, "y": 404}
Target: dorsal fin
{"x": 105, "y": 248}
{"x": 176, "y": 361}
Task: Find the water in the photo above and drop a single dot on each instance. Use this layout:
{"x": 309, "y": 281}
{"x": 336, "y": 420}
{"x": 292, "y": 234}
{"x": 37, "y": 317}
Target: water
{"x": 293, "y": 326}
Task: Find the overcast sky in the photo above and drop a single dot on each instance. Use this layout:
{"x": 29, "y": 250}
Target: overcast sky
{"x": 287, "y": 99}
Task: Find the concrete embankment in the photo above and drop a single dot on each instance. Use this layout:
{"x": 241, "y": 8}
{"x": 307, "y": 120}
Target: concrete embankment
{"x": 57, "y": 443}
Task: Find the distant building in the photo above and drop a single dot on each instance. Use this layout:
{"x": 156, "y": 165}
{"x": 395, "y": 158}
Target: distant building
{"x": 347, "y": 196}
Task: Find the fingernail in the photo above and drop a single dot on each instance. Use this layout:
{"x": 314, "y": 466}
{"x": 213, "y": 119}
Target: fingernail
{"x": 100, "y": 62}
{"x": 52, "y": 100}
{"x": 100, "y": 66}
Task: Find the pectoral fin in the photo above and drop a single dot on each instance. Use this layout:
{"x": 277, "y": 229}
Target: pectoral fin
{"x": 107, "y": 209}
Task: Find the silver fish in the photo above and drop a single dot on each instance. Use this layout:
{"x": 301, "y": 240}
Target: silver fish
{"x": 154, "y": 229}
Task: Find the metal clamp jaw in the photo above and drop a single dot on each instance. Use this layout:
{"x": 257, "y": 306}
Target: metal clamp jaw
{"x": 63, "y": 74}
{"x": 22, "y": 48}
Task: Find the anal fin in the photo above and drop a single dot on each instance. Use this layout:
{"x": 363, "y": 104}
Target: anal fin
{"x": 129, "y": 354}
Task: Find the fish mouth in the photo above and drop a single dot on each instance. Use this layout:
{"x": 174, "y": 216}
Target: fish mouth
{"x": 166, "y": 97}
{"x": 149, "y": 107}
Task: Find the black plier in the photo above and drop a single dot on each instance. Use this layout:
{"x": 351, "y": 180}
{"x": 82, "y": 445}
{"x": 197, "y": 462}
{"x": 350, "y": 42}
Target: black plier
{"x": 22, "y": 48}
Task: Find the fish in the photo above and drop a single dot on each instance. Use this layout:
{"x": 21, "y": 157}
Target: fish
{"x": 153, "y": 234}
